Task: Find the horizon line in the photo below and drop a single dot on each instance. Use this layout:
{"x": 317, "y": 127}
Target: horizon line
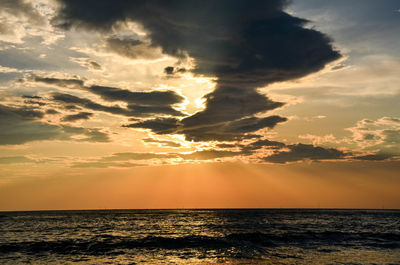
{"x": 190, "y": 208}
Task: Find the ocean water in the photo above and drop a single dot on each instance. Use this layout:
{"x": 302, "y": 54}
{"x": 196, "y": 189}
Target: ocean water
{"x": 201, "y": 237}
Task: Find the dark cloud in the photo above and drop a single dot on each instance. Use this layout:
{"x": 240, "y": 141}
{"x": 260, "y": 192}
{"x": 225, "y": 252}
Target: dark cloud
{"x": 170, "y": 70}
{"x": 52, "y": 111}
{"x": 226, "y": 131}
{"x": 19, "y": 125}
{"x": 159, "y": 125}
{"x": 31, "y": 97}
{"x": 225, "y": 105}
{"x": 8, "y": 113}
{"x": 144, "y": 110}
{"x": 162, "y": 142}
{"x": 77, "y": 117}
{"x": 244, "y": 44}
{"x": 229, "y": 131}
{"x": 298, "y": 152}
{"x": 262, "y": 144}
{"x": 155, "y": 98}
{"x": 139, "y": 103}
{"x": 71, "y": 107}
{"x": 94, "y": 65}
{"x": 227, "y": 146}
{"x": 374, "y": 157}
{"x": 62, "y": 82}
{"x": 132, "y": 48}
{"x": 131, "y": 111}
{"x": 88, "y": 104}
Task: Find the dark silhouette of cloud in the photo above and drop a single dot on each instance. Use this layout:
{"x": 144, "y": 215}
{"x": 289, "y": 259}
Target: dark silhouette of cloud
{"x": 131, "y": 111}
{"x": 132, "y": 48}
{"x": 244, "y": 44}
{"x": 170, "y": 70}
{"x": 19, "y": 125}
{"x": 77, "y": 117}
{"x": 158, "y": 98}
{"x": 159, "y": 125}
{"x": 61, "y": 82}
{"x": 8, "y": 113}
{"x": 374, "y": 157}
{"x": 52, "y": 111}
{"x": 94, "y": 65}
{"x": 298, "y": 152}
{"x": 228, "y": 131}
{"x": 31, "y": 97}
{"x": 225, "y": 131}
{"x": 139, "y": 103}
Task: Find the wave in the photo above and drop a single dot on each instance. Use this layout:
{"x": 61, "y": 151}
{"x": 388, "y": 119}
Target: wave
{"x": 107, "y": 244}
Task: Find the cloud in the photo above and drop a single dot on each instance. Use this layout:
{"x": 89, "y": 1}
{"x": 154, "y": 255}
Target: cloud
{"x": 162, "y": 142}
{"x": 77, "y": 117}
{"x": 158, "y": 125}
{"x": 87, "y": 63}
{"x": 382, "y": 134}
{"x": 131, "y": 111}
{"x": 19, "y": 125}
{"x": 52, "y": 111}
{"x": 89, "y": 134}
{"x": 139, "y": 103}
{"x": 21, "y": 8}
{"x": 298, "y": 152}
{"x": 244, "y": 45}
{"x": 123, "y": 159}
{"x": 132, "y": 48}
{"x": 226, "y": 131}
{"x": 373, "y": 157}
{"x": 8, "y": 113}
{"x": 261, "y": 144}
{"x": 61, "y": 82}
{"x": 21, "y": 19}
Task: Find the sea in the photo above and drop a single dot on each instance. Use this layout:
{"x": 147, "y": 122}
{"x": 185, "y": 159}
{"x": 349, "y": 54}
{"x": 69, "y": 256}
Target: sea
{"x": 201, "y": 236}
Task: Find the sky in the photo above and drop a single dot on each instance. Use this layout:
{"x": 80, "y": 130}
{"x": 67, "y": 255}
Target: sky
{"x": 199, "y": 104}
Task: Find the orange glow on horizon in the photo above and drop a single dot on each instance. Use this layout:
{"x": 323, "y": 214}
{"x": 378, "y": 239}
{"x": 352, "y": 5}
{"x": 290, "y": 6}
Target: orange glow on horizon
{"x": 213, "y": 185}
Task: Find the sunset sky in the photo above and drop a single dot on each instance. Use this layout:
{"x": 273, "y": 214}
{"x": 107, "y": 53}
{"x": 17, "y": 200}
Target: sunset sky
{"x": 199, "y": 104}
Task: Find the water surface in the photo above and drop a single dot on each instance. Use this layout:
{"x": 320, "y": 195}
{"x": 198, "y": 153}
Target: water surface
{"x": 253, "y": 236}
